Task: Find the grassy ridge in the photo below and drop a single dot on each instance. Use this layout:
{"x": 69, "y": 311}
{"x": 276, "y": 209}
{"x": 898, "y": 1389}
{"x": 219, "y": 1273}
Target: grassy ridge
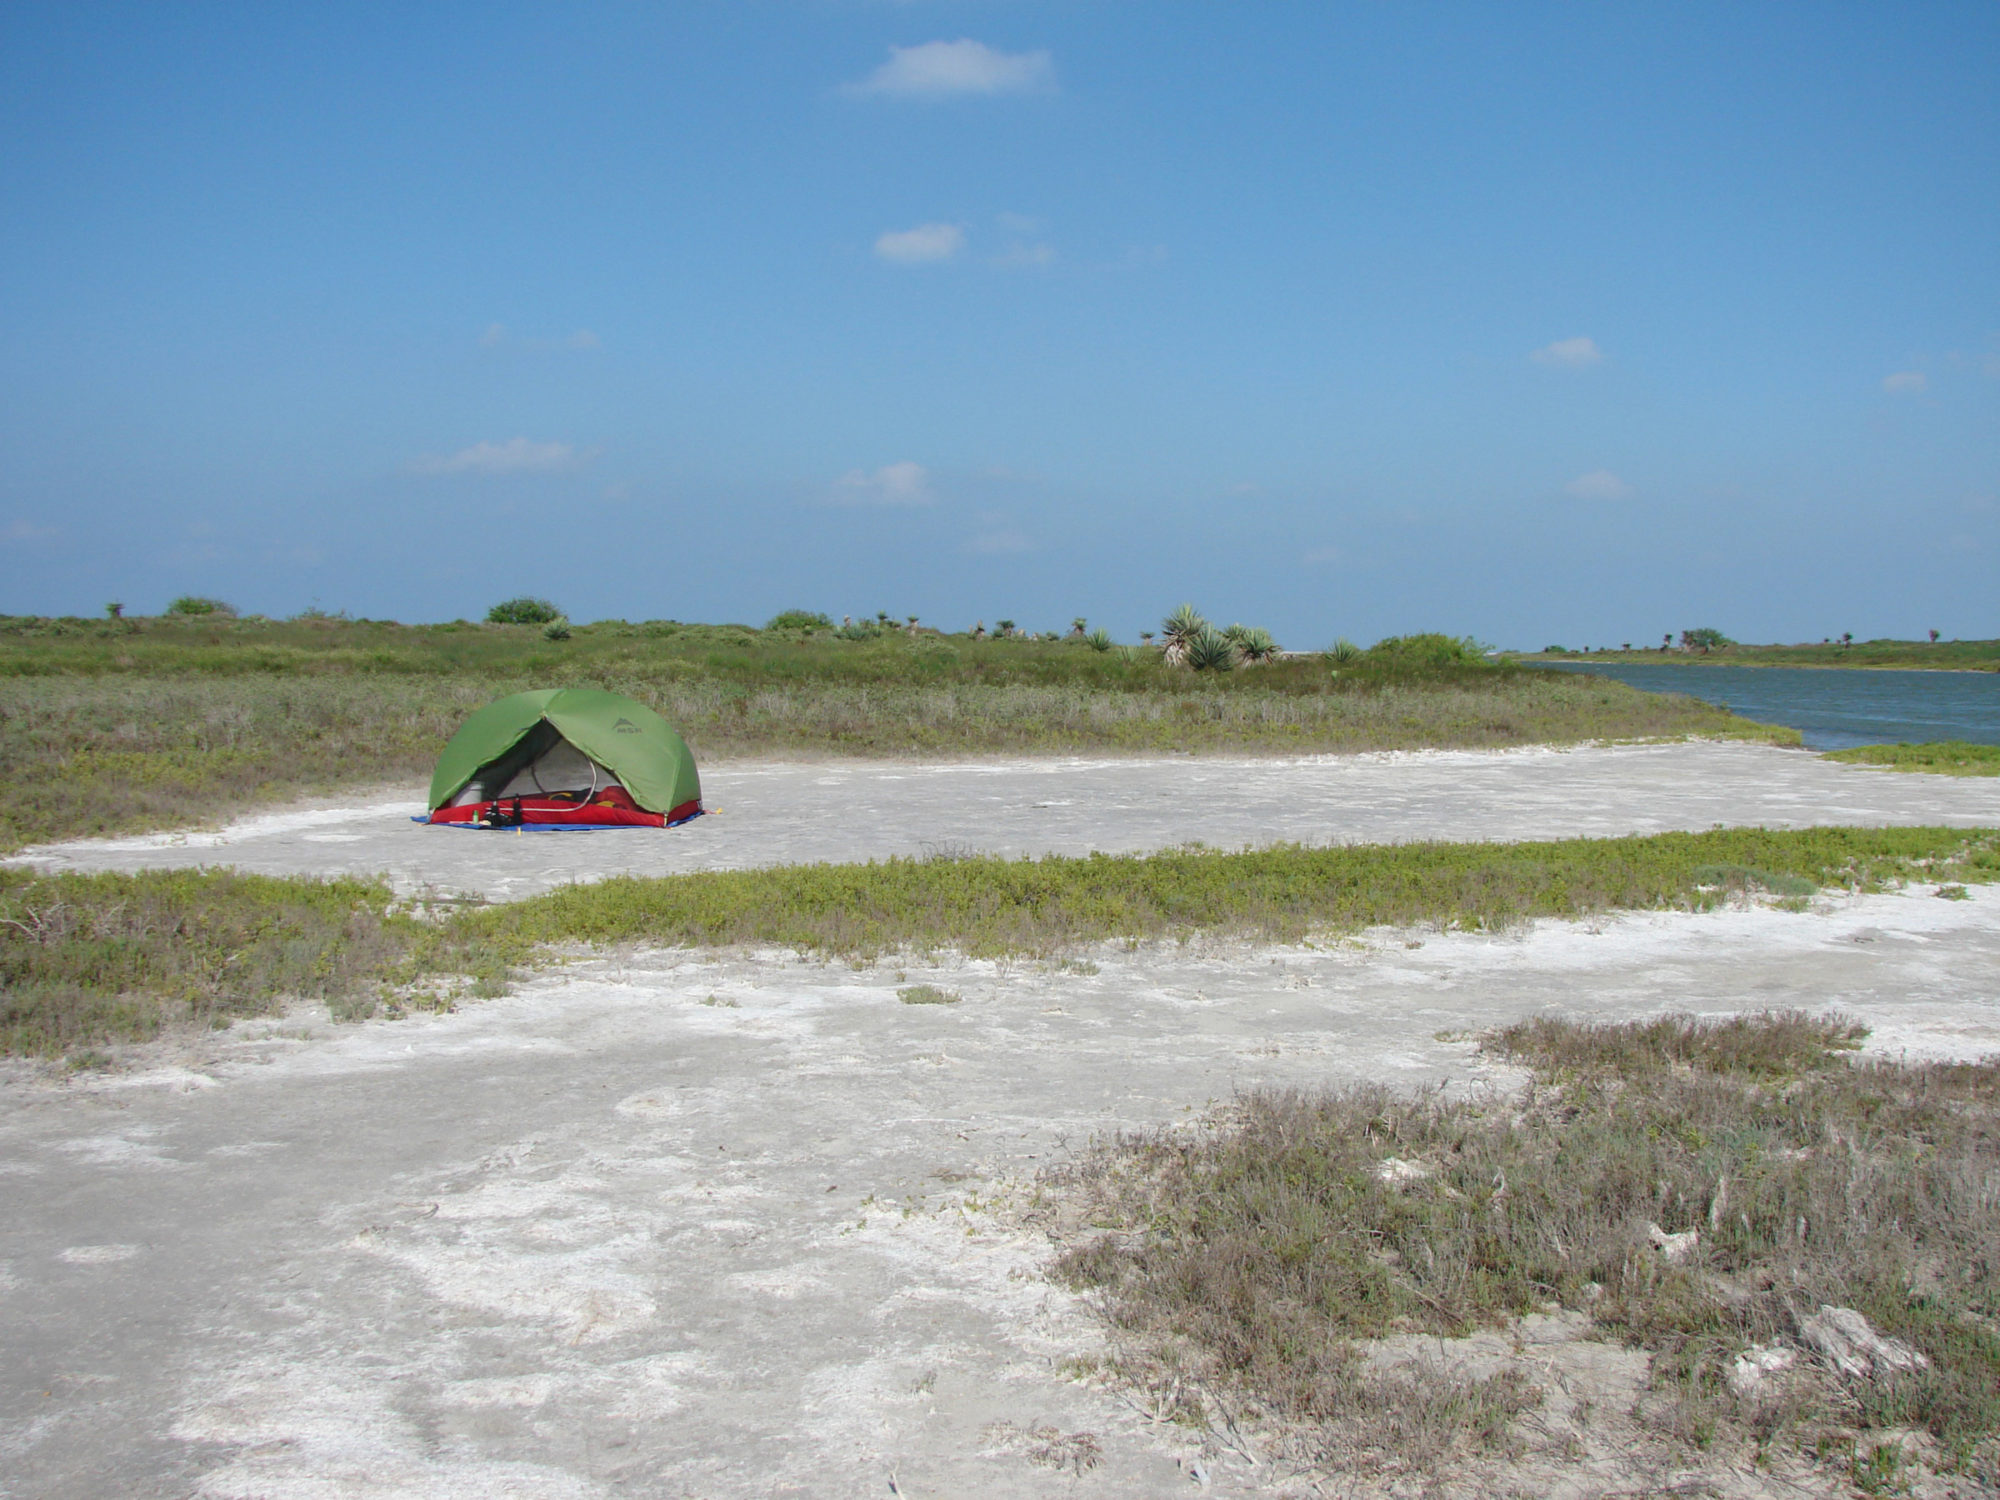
{"x": 1244, "y": 1263}
{"x": 991, "y": 906}
{"x": 111, "y": 726}
{"x": 1941, "y": 757}
{"x": 90, "y": 959}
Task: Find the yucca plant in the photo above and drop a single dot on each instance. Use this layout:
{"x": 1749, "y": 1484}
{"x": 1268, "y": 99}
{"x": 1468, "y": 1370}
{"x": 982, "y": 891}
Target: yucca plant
{"x": 1179, "y": 629}
{"x": 1211, "y": 651}
{"x": 1255, "y": 644}
{"x": 1098, "y": 640}
{"x": 1344, "y": 652}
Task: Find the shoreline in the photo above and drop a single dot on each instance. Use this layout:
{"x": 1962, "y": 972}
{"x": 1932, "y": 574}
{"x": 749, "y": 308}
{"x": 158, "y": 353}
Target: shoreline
{"x": 1696, "y": 661}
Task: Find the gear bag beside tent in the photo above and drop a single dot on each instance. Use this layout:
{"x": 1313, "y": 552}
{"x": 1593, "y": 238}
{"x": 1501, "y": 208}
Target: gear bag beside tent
{"x": 565, "y": 758}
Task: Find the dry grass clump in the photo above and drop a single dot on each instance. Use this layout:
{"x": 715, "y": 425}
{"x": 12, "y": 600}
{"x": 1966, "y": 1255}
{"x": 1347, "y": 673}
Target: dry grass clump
{"x": 1690, "y": 1187}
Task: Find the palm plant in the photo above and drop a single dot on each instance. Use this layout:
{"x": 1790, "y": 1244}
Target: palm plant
{"x": 1256, "y": 644}
{"x": 1210, "y": 650}
{"x": 1344, "y": 652}
{"x": 1098, "y": 640}
{"x": 1179, "y": 629}
{"x": 1004, "y": 627}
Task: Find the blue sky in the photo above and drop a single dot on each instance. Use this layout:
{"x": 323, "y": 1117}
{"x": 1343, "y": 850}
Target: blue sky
{"x": 1539, "y": 323}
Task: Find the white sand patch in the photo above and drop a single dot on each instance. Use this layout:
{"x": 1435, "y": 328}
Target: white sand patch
{"x": 120, "y": 1151}
{"x": 96, "y": 1255}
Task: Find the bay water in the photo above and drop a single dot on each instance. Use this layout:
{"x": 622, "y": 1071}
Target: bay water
{"x": 1833, "y": 707}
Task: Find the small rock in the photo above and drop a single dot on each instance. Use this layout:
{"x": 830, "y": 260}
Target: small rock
{"x": 1398, "y": 1173}
{"x": 1757, "y": 1364}
{"x": 1847, "y": 1342}
{"x": 1673, "y": 1248}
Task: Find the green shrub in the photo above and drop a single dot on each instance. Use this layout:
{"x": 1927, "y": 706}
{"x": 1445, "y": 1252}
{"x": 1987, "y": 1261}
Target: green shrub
{"x": 1427, "y": 651}
{"x": 525, "y": 610}
{"x": 195, "y": 604}
{"x": 1098, "y": 640}
{"x": 798, "y": 619}
{"x": 556, "y": 630}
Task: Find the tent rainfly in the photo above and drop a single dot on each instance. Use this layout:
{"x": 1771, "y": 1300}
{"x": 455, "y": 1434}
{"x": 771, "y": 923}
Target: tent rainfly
{"x": 565, "y": 758}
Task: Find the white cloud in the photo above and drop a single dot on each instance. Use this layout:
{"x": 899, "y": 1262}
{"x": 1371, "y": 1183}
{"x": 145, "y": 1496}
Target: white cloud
{"x": 1569, "y": 354}
{"x": 905, "y": 483}
{"x": 1598, "y": 484}
{"x": 515, "y": 456}
{"x": 924, "y": 245}
{"x": 1913, "y": 381}
{"x": 944, "y": 70}
{"x": 28, "y": 531}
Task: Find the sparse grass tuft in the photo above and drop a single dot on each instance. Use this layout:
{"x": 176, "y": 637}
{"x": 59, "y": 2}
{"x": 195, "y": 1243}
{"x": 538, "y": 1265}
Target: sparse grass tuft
{"x": 1941, "y": 757}
{"x": 1248, "y": 1260}
{"x": 927, "y": 994}
{"x": 1771, "y": 1046}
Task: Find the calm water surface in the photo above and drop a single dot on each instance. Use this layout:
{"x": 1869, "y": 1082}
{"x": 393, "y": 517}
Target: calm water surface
{"x": 1833, "y": 707}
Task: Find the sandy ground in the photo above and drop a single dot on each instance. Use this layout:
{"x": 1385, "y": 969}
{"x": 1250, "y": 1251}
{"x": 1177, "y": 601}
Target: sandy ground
{"x": 670, "y": 1224}
{"x": 852, "y": 810}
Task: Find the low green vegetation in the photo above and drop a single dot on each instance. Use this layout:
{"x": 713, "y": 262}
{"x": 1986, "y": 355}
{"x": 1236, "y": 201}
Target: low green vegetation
{"x": 927, "y": 994}
{"x": 525, "y": 610}
{"x": 114, "y": 725}
{"x": 1694, "y": 1188}
{"x": 1711, "y": 648}
{"x": 91, "y": 959}
{"x": 1941, "y": 757}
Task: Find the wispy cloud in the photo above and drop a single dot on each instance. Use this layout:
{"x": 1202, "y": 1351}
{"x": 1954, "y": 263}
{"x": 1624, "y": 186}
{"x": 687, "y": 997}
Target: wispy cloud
{"x": 1003, "y": 542}
{"x": 498, "y": 336}
{"x": 925, "y": 245}
{"x": 515, "y": 456}
{"x": 1912, "y": 381}
{"x": 905, "y": 483}
{"x": 1569, "y": 354}
{"x": 29, "y": 531}
{"x": 1026, "y": 257}
{"x": 1598, "y": 484}
{"x": 946, "y": 70}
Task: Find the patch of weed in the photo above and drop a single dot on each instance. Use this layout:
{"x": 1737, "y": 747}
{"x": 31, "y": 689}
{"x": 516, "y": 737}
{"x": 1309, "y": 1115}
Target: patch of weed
{"x": 1247, "y": 1259}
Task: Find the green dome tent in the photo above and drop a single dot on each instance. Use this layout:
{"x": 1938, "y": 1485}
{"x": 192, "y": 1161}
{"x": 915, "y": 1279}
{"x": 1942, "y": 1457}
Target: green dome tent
{"x": 567, "y": 758}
